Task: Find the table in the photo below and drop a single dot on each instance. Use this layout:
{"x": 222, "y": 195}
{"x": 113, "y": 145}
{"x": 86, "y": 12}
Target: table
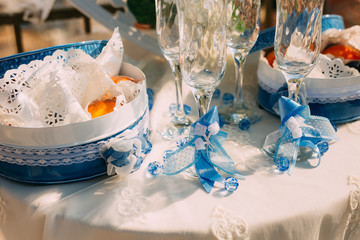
{"x": 314, "y": 203}
{"x": 61, "y": 10}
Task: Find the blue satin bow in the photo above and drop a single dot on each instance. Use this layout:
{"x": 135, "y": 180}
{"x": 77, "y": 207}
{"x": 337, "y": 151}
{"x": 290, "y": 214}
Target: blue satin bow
{"x": 298, "y": 128}
{"x": 124, "y": 154}
{"x": 204, "y": 150}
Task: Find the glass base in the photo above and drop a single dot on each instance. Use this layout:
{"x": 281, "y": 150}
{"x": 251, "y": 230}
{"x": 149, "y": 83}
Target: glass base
{"x": 304, "y": 153}
{"x": 181, "y": 122}
{"x": 173, "y": 131}
{"x": 234, "y": 114}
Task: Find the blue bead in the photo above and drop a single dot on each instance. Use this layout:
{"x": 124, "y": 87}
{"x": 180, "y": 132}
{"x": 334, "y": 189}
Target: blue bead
{"x": 323, "y": 147}
{"x": 282, "y": 164}
{"x": 231, "y": 184}
{"x": 151, "y": 101}
{"x": 221, "y": 121}
{"x": 182, "y": 142}
{"x": 216, "y": 94}
{"x": 150, "y": 92}
{"x": 138, "y": 163}
{"x": 155, "y": 168}
{"x": 172, "y": 109}
{"x": 187, "y": 109}
{"x": 228, "y": 98}
{"x": 147, "y": 149}
{"x": 244, "y": 124}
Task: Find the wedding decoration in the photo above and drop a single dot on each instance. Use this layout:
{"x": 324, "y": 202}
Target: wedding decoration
{"x": 299, "y": 129}
{"x": 59, "y": 89}
{"x": 331, "y": 89}
{"x": 47, "y": 95}
{"x": 124, "y": 154}
{"x": 203, "y": 149}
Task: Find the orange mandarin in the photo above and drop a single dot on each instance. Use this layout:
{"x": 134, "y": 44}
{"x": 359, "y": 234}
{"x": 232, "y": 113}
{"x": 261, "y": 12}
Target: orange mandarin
{"x": 270, "y": 56}
{"x": 118, "y": 79}
{"x": 343, "y": 51}
{"x": 101, "y": 107}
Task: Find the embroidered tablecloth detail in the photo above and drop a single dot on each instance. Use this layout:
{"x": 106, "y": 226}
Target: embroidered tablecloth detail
{"x": 203, "y": 148}
{"x": 131, "y": 203}
{"x": 224, "y": 226}
{"x": 353, "y": 226}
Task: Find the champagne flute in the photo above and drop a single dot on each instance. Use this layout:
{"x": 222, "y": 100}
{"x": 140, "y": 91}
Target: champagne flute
{"x": 297, "y": 40}
{"x": 243, "y": 26}
{"x": 202, "y": 47}
{"x": 297, "y": 46}
{"x": 167, "y": 29}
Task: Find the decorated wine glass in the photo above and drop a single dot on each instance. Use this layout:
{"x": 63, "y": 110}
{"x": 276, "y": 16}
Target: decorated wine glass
{"x": 297, "y": 40}
{"x": 296, "y": 45}
{"x": 202, "y": 47}
{"x": 243, "y": 26}
{"x": 167, "y": 29}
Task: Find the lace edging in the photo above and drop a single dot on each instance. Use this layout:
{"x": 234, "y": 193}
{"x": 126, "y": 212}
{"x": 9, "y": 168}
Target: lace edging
{"x": 227, "y": 227}
{"x": 61, "y": 156}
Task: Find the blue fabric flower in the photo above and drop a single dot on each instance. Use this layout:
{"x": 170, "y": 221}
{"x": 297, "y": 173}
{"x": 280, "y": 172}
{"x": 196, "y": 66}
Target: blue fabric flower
{"x": 124, "y": 154}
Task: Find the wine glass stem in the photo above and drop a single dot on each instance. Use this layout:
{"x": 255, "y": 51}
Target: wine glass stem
{"x": 239, "y": 60}
{"x": 203, "y": 99}
{"x": 179, "y": 116}
{"x": 294, "y": 86}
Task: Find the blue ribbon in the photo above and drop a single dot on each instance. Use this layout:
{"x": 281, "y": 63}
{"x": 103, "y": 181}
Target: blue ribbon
{"x": 124, "y": 154}
{"x": 204, "y": 150}
{"x": 299, "y": 128}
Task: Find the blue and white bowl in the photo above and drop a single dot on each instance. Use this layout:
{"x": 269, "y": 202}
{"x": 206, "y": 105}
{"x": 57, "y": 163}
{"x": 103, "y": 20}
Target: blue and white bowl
{"x": 337, "y": 99}
{"x": 70, "y": 152}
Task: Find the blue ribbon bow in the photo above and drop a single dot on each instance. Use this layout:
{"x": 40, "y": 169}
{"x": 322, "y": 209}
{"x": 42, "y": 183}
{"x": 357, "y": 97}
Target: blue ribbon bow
{"x": 298, "y": 128}
{"x": 124, "y": 153}
{"x": 204, "y": 150}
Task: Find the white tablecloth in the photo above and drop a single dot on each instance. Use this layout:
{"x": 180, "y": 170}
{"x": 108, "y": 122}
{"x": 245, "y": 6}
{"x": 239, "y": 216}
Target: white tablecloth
{"x": 314, "y": 203}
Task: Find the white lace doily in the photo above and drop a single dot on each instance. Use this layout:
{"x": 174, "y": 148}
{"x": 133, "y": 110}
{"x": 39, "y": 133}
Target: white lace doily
{"x": 332, "y": 68}
{"x": 57, "y": 90}
{"x": 349, "y": 36}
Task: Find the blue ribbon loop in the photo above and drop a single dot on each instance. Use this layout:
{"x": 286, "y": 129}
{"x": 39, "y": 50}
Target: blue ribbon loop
{"x": 124, "y": 154}
{"x": 299, "y": 128}
{"x": 204, "y": 150}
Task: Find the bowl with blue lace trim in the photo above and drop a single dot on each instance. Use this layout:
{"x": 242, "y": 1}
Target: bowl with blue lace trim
{"x": 69, "y": 152}
{"x": 331, "y": 89}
